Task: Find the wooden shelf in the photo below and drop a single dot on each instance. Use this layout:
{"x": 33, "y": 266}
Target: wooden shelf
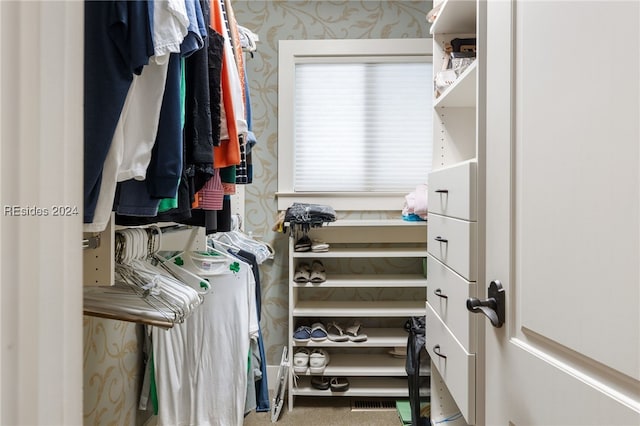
{"x": 375, "y": 365}
{"x": 391, "y": 387}
{"x": 455, "y": 16}
{"x": 389, "y": 252}
{"x": 369, "y": 281}
{"x": 462, "y": 93}
{"x": 359, "y": 309}
{"x": 376, "y": 338}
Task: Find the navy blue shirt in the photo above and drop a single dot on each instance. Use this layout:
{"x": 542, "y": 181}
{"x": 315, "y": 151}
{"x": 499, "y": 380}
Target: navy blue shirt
{"x": 117, "y": 44}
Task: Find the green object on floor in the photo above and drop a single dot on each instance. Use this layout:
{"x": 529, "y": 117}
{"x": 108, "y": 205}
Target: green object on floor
{"x": 404, "y": 411}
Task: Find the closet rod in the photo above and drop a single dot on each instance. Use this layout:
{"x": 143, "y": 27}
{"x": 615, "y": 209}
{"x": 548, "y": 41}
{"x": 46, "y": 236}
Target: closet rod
{"x": 128, "y": 318}
{"x": 91, "y": 242}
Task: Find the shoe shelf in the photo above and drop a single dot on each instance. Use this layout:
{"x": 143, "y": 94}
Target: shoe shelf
{"x": 394, "y": 387}
{"x": 374, "y": 276}
{"x": 376, "y": 338}
{"x": 367, "y": 365}
{"x": 368, "y": 280}
{"x": 359, "y": 309}
{"x": 368, "y": 252}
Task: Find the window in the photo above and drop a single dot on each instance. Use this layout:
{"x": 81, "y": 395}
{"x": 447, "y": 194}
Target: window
{"x": 354, "y": 122}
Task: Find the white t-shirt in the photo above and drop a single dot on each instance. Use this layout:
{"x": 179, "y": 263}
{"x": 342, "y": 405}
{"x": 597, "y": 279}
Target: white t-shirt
{"x": 201, "y": 365}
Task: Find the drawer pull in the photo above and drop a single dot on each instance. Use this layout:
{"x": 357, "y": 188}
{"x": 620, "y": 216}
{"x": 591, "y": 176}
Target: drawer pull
{"x": 436, "y": 350}
{"x": 441, "y": 240}
{"x": 442, "y": 191}
{"x": 438, "y": 292}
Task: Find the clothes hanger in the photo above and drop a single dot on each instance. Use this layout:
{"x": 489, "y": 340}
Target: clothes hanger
{"x": 171, "y": 298}
{"x": 240, "y": 241}
{"x": 206, "y": 263}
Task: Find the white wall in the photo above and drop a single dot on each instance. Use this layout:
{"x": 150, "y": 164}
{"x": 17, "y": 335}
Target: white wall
{"x": 41, "y": 57}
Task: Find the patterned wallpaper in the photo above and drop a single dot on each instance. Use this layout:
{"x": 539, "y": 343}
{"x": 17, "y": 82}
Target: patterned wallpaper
{"x": 112, "y": 365}
{"x": 282, "y": 20}
{"x": 112, "y": 349}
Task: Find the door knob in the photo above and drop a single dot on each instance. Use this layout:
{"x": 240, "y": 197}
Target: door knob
{"x": 492, "y": 307}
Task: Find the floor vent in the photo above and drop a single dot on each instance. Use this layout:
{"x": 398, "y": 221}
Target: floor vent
{"x": 372, "y": 405}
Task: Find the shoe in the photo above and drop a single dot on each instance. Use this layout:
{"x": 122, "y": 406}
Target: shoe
{"x": 335, "y": 333}
{"x": 319, "y": 246}
{"x": 339, "y": 384}
{"x": 318, "y": 274}
{"x": 301, "y": 361}
{"x": 303, "y": 244}
{"x": 302, "y": 334}
{"x": 302, "y": 274}
{"x": 318, "y": 360}
{"x": 320, "y": 382}
{"x": 354, "y": 333}
{"x": 318, "y": 332}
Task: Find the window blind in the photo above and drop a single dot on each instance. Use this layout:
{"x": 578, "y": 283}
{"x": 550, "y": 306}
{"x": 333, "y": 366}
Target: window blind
{"x": 362, "y": 126}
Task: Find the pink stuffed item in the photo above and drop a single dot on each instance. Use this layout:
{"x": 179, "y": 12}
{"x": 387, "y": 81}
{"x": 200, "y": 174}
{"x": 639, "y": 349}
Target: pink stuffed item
{"x": 416, "y": 202}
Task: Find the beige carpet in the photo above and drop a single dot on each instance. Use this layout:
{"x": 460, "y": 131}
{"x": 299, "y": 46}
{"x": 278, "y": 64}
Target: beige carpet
{"x": 325, "y": 411}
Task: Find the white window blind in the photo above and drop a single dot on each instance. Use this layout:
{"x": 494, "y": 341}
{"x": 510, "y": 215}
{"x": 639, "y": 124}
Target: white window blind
{"x": 362, "y": 126}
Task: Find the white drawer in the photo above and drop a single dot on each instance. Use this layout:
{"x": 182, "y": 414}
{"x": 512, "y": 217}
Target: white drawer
{"x": 447, "y": 295}
{"x": 452, "y": 191}
{"x": 455, "y": 365}
{"x": 453, "y": 242}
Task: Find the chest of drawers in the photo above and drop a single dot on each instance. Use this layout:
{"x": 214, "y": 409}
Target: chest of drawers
{"x": 452, "y": 273}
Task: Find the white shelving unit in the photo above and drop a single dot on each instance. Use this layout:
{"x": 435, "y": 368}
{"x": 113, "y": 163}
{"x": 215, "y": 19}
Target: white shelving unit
{"x": 453, "y": 214}
{"x": 375, "y": 275}
{"x": 462, "y": 93}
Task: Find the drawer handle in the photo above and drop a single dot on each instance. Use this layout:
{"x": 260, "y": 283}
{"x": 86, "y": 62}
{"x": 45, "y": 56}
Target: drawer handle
{"x": 436, "y": 350}
{"x": 441, "y": 240}
{"x": 438, "y": 292}
{"x": 442, "y": 191}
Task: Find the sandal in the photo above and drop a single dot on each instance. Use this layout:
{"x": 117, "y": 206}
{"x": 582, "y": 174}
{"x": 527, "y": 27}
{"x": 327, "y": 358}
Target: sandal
{"x": 318, "y": 360}
{"x": 319, "y": 246}
{"x": 318, "y": 274}
{"x": 320, "y": 382}
{"x": 302, "y": 334}
{"x": 339, "y": 384}
{"x": 318, "y": 332}
{"x": 355, "y": 334}
{"x": 335, "y": 333}
{"x": 302, "y": 274}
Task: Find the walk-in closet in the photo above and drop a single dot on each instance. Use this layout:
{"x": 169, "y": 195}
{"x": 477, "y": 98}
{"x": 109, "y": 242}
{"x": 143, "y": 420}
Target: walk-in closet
{"x": 319, "y": 212}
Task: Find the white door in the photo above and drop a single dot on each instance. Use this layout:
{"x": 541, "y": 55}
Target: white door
{"x": 562, "y": 212}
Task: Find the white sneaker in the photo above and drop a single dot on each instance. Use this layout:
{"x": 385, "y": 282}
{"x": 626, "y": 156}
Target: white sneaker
{"x": 301, "y": 361}
{"x": 318, "y": 360}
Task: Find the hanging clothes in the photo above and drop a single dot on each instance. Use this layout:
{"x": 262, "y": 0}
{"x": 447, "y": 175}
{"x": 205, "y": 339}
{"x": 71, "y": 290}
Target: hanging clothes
{"x": 117, "y": 44}
{"x": 164, "y": 172}
{"x": 228, "y": 153}
{"x": 136, "y": 133}
{"x": 259, "y": 359}
{"x": 201, "y": 365}
{"x": 198, "y": 133}
{"x": 151, "y": 155}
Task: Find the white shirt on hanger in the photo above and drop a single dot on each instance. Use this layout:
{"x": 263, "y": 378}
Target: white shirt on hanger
{"x": 201, "y": 365}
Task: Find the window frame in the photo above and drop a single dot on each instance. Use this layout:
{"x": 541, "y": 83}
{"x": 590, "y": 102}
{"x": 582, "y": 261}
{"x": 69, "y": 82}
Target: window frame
{"x": 292, "y": 52}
